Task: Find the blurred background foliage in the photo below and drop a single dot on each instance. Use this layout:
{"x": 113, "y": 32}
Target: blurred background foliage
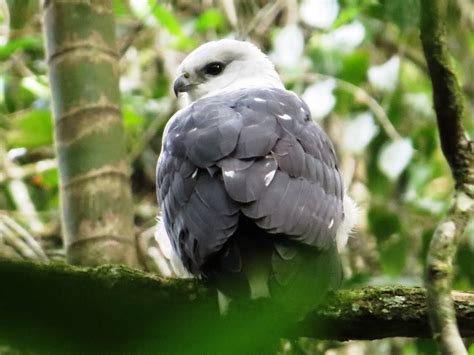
{"x": 357, "y": 63}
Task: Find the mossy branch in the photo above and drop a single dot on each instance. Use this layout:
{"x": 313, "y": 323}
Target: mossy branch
{"x": 459, "y": 152}
{"x": 447, "y": 94}
{"x": 61, "y": 308}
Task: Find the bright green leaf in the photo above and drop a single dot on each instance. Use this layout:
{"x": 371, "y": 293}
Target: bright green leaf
{"x": 50, "y": 178}
{"x": 131, "y": 119}
{"x": 24, "y": 43}
{"x": 30, "y": 130}
{"x": 184, "y": 43}
{"x": 166, "y": 19}
{"x": 346, "y": 15}
{"x": 354, "y": 67}
{"x": 17, "y": 97}
{"x": 211, "y": 19}
{"x": 121, "y": 7}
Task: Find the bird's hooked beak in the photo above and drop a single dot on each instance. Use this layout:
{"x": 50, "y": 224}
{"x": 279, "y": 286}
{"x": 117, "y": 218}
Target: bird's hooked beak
{"x": 182, "y": 84}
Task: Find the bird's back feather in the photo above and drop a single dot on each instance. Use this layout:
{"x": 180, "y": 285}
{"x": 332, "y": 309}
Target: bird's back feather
{"x": 247, "y": 173}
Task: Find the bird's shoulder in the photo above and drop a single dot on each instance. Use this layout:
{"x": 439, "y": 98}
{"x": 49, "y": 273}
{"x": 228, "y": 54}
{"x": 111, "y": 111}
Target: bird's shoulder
{"x": 266, "y": 112}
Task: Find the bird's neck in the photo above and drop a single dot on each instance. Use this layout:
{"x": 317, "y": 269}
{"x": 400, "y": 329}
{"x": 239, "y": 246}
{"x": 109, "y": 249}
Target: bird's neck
{"x": 264, "y": 82}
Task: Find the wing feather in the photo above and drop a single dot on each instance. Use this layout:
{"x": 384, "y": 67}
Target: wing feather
{"x": 255, "y": 152}
{"x": 247, "y": 185}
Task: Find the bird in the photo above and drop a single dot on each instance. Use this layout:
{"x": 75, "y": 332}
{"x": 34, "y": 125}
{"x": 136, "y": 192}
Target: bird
{"x": 250, "y": 191}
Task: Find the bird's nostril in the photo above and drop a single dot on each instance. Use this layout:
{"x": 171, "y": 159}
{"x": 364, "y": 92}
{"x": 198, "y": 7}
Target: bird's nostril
{"x": 186, "y": 75}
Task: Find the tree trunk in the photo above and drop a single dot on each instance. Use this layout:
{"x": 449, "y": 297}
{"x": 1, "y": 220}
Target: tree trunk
{"x": 97, "y": 212}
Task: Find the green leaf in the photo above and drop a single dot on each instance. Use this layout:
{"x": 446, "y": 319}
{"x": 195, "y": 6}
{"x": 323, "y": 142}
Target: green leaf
{"x": 346, "y": 15}
{"x": 24, "y": 43}
{"x": 379, "y": 184}
{"x": 121, "y": 8}
{"x": 413, "y": 77}
{"x": 30, "y": 130}
{"x": 383, "y": 222}
{"x": 166, "y": 19}
{"x": 328, "y": 62}
{"x": 132, "y": 120}
{"x": 393, "y": 255}
{"x": 397, "y": 12}
{"x": 354, "y": 67}
{"x": 211, "y": 19}
{"x": 21, "y": 11}
{"x": 426, "y": 347}
{"x": 50, "y": 178}
{"x": 465, "y": 262}
{"x": 170, "y": 22}
{"x": 17, "y": 97}
{"x": 184, "y": 43}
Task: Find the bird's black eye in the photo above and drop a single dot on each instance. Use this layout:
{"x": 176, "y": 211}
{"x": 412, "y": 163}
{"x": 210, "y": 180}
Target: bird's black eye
{"x": 214, "y": 68}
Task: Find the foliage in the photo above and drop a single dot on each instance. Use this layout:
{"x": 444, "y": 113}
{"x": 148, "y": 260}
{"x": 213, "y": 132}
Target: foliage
{"x": 358, "y": 64}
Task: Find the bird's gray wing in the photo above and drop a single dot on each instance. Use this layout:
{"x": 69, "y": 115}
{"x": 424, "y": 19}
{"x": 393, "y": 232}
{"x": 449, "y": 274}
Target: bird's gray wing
{"x": 198, "y": 214}
{"x": 254, "y": 151}
{"x": 284, "y": 169}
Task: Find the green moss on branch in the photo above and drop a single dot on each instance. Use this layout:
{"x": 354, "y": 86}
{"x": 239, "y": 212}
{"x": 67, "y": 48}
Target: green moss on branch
{"x": 115, "y": 309}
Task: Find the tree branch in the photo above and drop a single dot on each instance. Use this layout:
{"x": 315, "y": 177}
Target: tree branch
{"x": 60, "y": 308}
{"x": 447, "y": 94}
{"x": 459, "y": 152}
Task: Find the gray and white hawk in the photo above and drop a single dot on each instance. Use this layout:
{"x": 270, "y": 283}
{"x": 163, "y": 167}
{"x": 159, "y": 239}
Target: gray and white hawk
{"x": 249, "y": 186}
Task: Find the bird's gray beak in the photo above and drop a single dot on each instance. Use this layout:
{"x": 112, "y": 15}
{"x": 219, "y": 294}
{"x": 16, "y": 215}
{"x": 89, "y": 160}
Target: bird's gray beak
{"x": 181, "y": 84}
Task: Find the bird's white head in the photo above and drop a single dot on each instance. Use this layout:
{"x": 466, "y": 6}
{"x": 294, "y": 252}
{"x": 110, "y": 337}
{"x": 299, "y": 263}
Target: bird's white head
{"x": 224, "y": 65}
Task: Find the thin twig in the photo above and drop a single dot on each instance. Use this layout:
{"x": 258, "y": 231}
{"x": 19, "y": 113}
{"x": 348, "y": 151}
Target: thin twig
{"x": 19, "y": 193}
{"x": 25, "y": 235}
{"x": 129, "y": 38}
{"x": 265, "y": 16}
{"x": 11, "y": 238}
{"x": 21, "y": 248}
{"x": 364, "y": 97}
{"x": 134, "y": 31}
{"x": 229, "y": 9}
{"x": 23, "y": 202}
{"x": 20, "y": 66}
{"x": 361, "y": 96}
{"x": 150, "y": 131}
{"x": 405, "y": 51}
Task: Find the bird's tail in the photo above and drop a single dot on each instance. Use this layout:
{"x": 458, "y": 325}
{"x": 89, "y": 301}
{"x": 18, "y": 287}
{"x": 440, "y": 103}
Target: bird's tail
{"x": 244, "y": 269}
{"x": 302, "y": 276}
{"x": 297, "y": 277}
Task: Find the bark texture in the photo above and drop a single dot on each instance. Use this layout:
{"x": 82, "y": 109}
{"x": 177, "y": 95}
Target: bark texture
{"x": 459, "y": 152}
{"x": 90, "y": 142}
{"x": 146, "y": 314}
